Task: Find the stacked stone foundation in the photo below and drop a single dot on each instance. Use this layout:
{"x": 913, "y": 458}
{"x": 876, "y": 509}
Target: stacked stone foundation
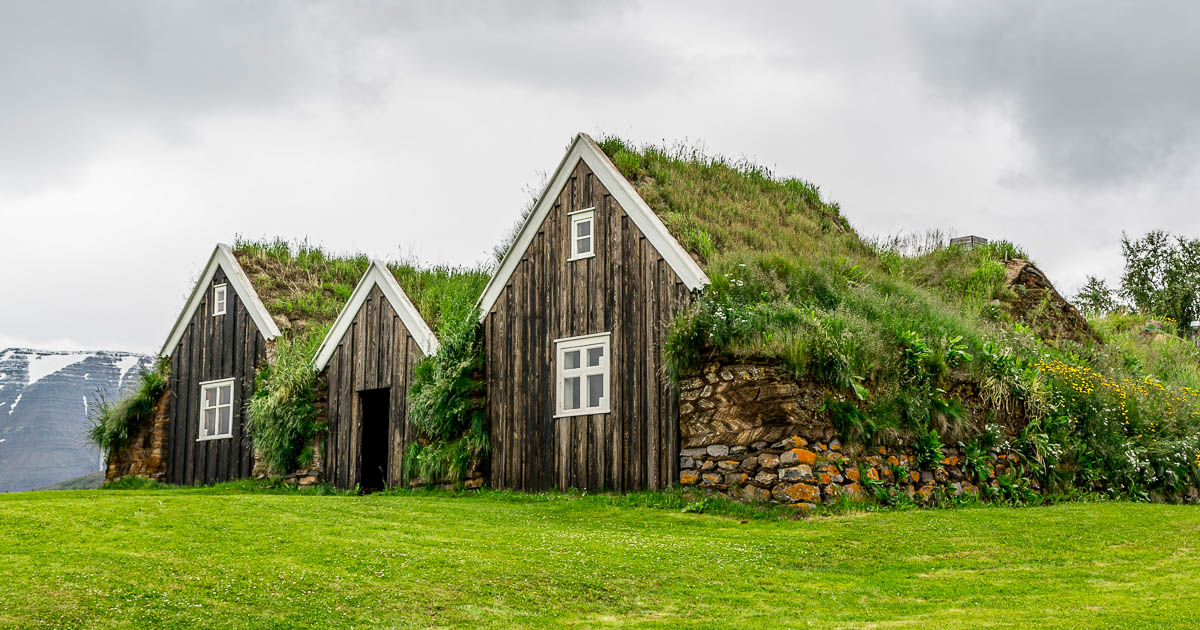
{"x": 797, "y": 471}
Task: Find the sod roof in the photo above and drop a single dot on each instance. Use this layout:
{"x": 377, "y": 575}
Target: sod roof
{"x": 720, "y": 209}
{"x": 305, "y": 287}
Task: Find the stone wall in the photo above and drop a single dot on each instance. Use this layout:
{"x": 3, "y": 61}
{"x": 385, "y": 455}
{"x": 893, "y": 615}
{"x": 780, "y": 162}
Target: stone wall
{"x": 302, "y": 477}
{"x": 738, "y": 404}
{"x": 145, "y": 451}
{"x": 796, "y": 471}
{"x": 753, "y": 432}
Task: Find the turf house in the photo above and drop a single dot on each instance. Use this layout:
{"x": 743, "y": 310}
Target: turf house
{"x": 211, "y": 355}
{"x": 666, "y": 318}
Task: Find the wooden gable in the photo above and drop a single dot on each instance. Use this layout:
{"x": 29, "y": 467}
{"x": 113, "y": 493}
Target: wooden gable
{"x": 628, "y": 289}
{"x": 211, "y": 348}
{"x": 374, "y": 345}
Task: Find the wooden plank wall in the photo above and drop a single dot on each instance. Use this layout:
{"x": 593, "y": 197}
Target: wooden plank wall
{"x": 225, "y": 346}
{"x": 377, "y": 351}
{"x": 626, "y": 289}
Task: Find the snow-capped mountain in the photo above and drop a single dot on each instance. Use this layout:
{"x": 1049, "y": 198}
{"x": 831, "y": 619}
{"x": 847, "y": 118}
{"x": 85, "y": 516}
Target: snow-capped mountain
{"x": 45, "y": 397}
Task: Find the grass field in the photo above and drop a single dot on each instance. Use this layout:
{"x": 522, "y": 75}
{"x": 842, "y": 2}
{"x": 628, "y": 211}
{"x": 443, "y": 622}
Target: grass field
{"x": 217, "y": 558}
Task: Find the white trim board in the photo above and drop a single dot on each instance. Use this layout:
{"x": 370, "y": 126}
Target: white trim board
{"x": 379, "y": 275}
{"x": 586, "y": 149}
{"x": 223, "y": 257}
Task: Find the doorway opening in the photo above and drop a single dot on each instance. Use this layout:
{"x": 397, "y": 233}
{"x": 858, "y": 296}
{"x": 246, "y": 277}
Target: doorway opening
{"x": 374, "y": 445}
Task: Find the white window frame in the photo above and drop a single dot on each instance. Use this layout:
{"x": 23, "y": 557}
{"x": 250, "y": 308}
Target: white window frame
{"x": 561, "y": 374}
{"x": 221, "y": 290}
{"x": 217, "y": 385}
{"x": 575, "y": 218}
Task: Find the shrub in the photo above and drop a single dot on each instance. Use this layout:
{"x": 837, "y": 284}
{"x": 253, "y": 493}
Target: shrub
{"x": 281, "y": 416}
{"x": 113, "y": 422}
{"x": 446, "y": 403}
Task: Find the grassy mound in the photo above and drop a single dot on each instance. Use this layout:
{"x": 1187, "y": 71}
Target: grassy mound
{"x": 914, "y": 344}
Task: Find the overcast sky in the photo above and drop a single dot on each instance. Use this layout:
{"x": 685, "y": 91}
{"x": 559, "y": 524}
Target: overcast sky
{"x": 136, "y": 135}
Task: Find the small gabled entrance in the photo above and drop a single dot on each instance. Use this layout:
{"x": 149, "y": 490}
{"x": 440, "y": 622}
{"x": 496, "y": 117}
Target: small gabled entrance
{"x": 374, "y": 445}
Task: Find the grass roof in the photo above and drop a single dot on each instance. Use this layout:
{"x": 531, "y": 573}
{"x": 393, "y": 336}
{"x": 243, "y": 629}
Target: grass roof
{"x": 305, "y": 287}
{"x": 722, "y": 210}
{"x": 788, "y": 271}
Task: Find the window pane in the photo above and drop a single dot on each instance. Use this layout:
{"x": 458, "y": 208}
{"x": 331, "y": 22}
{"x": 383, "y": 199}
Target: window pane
{"x": 585, "y": 245}
{"x": 594, "y": 355}
{"x": 226, "y": 413}
{"x": 583, "y": 228}
{"x": 571, "y": 359}
{"x": 226, "y": 393}
{"x": 571, "y": 393}
{"x": 595, "y": 389}
{"x": 210, "y": 422}
{"x": 210, "y": 397}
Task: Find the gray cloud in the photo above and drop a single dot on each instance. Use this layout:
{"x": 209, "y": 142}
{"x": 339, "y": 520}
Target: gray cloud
{"x": 1104, "y": 92}
{"x": 78, "y": 76}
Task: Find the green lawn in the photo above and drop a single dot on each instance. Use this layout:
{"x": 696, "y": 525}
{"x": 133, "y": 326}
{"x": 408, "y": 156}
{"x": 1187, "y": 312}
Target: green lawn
{"x": 175, "y": 558}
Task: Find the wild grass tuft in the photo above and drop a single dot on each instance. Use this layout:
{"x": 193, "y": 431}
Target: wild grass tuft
{"x": 112, "y": 422}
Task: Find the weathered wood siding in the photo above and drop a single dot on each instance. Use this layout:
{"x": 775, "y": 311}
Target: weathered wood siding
{"x": 225, "y": 346}
{"x": 377, "y": 351}
{"x": 626, "y": 289}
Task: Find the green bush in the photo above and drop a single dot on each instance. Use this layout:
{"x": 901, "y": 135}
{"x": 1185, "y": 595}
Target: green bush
{"x": 113, "y": 422}
{"x": 446, "y": 402}
{"x": 282, "y": 415}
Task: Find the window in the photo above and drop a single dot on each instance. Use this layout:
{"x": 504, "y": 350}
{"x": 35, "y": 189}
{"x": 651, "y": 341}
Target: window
{"x": 583, "y": 233}
{"x": 216, "y": 409}
{"x": 219, "y": 292}
{"x": 581, "y": 386}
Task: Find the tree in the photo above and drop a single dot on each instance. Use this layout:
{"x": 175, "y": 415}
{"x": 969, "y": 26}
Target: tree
{"x": 1096, "y": 298}
{"x": 1162, "y": 275}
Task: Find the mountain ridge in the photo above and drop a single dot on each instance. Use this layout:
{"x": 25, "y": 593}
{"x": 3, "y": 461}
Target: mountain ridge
{"x": 46, "y": 397}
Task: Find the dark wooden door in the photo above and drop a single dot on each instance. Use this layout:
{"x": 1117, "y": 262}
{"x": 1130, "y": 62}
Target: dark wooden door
{"x": 374, "y": 445}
